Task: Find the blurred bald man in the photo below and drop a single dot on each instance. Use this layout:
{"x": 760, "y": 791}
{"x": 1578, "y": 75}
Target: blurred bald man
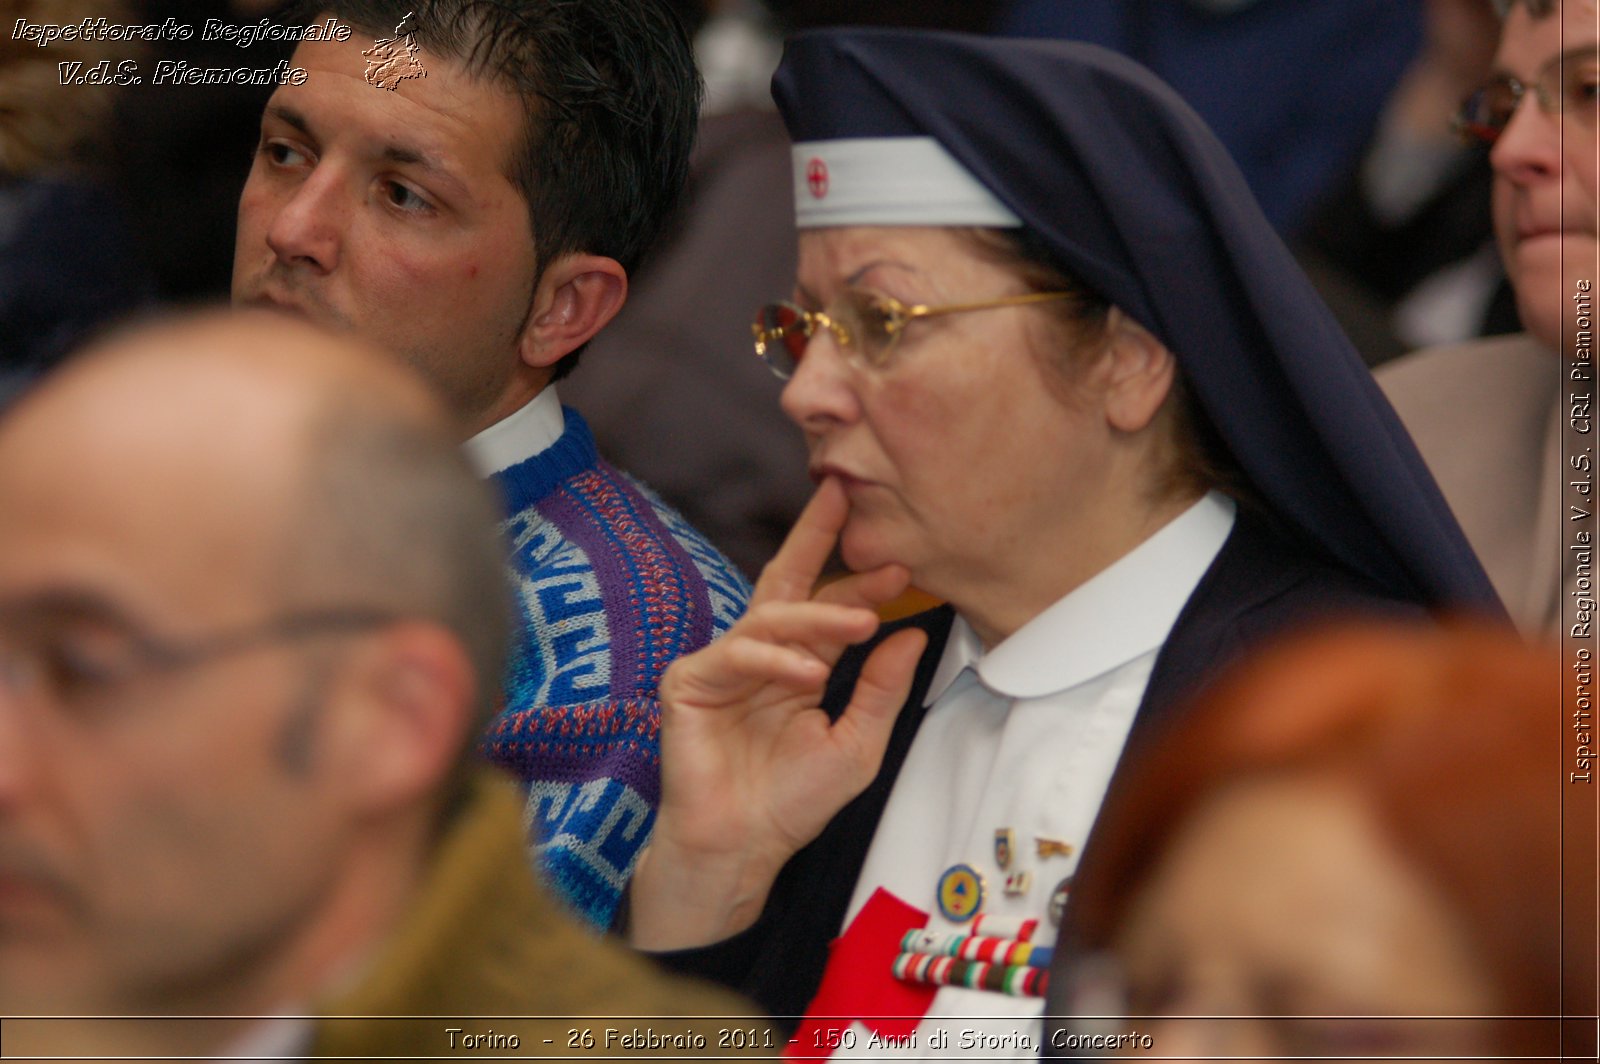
{"x": 249, "y": 623}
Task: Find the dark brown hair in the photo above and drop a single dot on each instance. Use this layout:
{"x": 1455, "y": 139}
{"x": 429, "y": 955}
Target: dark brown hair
{"x": 611, "y": 102}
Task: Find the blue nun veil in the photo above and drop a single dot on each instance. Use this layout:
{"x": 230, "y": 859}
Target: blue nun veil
{"x": 1131, "y": 193}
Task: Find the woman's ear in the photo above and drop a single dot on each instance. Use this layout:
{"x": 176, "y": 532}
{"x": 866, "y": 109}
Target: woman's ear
{"x": 1138, "y": 373}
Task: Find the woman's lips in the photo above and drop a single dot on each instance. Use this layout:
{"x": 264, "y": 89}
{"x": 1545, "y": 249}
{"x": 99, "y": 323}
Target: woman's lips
{"x": 1534, "y": 224}
{"x": 819, "y": 473}
{"x": 1545, "y": 242}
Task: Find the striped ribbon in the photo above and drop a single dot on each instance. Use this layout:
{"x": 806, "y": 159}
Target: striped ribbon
{"x": 1012, "y": 927}
{"x": 1013, "y": 980}
{"x": 1004, "y": 951}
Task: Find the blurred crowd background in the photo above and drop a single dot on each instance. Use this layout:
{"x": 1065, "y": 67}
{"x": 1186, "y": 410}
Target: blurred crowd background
{"x": 1338, "y": 113}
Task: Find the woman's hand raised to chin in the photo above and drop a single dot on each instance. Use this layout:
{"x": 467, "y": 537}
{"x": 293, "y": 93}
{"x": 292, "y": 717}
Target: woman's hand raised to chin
{"x": 752, "y": 768}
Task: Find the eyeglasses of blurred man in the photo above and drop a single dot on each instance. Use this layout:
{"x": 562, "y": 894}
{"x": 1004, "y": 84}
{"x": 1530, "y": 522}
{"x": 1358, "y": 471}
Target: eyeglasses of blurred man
{"x": 196, "y": 705}
{"x": 76, "y": 652}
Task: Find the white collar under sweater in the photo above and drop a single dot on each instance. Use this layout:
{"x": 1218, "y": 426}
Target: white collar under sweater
{"x": 518, "y": 436}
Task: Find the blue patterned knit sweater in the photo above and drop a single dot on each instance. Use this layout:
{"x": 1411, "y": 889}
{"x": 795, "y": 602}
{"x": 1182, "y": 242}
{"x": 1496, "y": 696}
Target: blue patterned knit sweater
{"x": 611, "y": 586}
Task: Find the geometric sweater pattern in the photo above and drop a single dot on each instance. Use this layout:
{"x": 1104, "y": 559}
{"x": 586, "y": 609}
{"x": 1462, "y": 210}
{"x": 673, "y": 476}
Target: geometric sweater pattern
{"x": 611, "y": 586}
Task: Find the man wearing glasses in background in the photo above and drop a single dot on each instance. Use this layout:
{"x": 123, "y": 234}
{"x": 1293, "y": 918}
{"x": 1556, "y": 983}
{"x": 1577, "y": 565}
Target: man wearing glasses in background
{"x": 1489, "y": 416}
{"x": 469, "y": 183}
{"x": 250, "y": 627}
{"x": 1507, "y": 424}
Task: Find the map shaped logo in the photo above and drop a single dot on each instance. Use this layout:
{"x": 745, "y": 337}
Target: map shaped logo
{"x": 392, "y": 60}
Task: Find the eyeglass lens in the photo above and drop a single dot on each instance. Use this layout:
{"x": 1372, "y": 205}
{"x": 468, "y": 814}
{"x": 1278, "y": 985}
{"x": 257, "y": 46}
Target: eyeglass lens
{"x": 782, "y": 332}
{"x": 859, "y": 320}
{"x": 1565, "y": 87}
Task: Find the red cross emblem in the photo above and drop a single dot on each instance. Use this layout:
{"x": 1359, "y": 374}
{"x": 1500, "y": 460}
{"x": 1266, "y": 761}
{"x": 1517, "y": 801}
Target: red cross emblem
{"x": 817, "y": 178}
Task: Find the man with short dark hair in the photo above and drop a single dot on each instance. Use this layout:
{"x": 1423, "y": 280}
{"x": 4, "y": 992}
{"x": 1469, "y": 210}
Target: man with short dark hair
{"x": 469, "y": 182}
{"x": 249, "y": 627}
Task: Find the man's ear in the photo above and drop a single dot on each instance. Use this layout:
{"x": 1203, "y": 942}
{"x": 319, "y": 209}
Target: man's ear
{"x": 1137, "y": 375}
{"x": 577, "y": 296}
{"x": 405, "y": 706}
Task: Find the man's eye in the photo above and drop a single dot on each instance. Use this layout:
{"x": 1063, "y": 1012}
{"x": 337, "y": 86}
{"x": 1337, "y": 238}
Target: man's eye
{"x": 1582, "y": 92}
{"x": 281, "y": 154}
{"x": 405, "y": 198}
{"x": 78, "y": 668}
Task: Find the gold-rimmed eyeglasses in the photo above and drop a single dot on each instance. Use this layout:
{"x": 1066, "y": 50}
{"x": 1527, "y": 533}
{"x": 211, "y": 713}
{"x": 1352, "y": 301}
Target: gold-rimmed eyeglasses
{"x": 1564, "y": 87}
{"x": 865, "y": 324}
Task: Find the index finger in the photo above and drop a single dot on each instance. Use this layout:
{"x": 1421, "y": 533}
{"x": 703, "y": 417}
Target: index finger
{"x": 793, "y": 571}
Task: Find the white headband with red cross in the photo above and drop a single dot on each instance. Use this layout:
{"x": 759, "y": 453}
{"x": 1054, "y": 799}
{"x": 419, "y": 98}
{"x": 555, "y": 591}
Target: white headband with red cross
{"x": 889, "y": 181}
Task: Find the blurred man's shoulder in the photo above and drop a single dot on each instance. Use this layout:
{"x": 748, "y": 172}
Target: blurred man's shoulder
{"x": 487, "y": 955}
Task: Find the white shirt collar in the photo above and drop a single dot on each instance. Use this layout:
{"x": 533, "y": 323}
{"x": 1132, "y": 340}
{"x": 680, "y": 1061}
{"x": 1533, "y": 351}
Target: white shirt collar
{"x": 1122, "y": 612}
{"x": 519, "y": 436}
{"x": 962, "y": 651}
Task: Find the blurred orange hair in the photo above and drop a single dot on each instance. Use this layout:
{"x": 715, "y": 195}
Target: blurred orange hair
{"x": 1455, "y": 736}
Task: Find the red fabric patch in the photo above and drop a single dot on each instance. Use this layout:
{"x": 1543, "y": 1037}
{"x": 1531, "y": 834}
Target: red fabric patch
{"x": 858, "y": 984}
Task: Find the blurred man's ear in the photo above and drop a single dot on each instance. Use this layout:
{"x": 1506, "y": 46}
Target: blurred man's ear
{"x": 399, "y": 713}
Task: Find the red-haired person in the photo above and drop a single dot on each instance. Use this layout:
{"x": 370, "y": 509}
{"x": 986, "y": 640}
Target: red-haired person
{"x": 1352, "y": 833}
